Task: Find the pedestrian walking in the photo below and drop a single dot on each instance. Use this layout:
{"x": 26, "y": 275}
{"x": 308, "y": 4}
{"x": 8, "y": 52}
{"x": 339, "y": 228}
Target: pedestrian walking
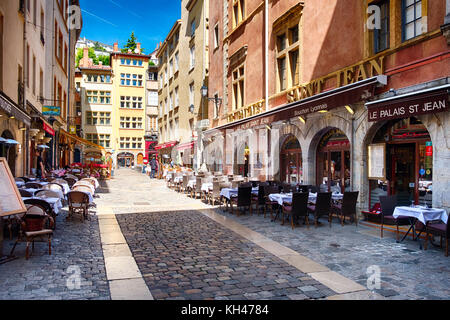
{"x": 154, "y": 167}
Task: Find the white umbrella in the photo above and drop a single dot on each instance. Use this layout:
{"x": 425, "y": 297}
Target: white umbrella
{"x": 43, "y": 146}
{"x": 2, "y": 140}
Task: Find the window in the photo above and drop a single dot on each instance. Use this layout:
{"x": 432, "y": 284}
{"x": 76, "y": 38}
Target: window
{"x": 170, "y": 102}
{"x": 193, "y": 28}
{"x": 288, "y": 55}
{"x": 125, "y": 79}
{"x": 153, "y": 98}
{"x": 177, "y": 102}
{"x": 216, "y": 36}
{"x": 100, "y": 139}
{"x": 238, "y": 12}
{"x": 60, "y": 46}
{"x": 160, "y": 109}
{"x": 65, "y": 58}
{"x": 130, "y": 122}
{"x": 171, "y": 68}
{"x": 192, "y": 57}
{"x": 176, "y": 136}
{"x": 412, "y": 19}
{"x": 131, "y": 102}
{"x": 1, "y": 51}
{"x": 42, "y": 26}
{"x": 34, "y": 75}
{"x": 165, "y": 106}
{"x": 191, "y": 94}
{"x": 381, "y": 36}
{"x": 98, "y": 118}
{"x": 98, "y": 97}
{"x": 41, "y": 83}
{"x": 238, "y": 87}
{"x": 27, "y": 71}
{"x": 176, "y": 62}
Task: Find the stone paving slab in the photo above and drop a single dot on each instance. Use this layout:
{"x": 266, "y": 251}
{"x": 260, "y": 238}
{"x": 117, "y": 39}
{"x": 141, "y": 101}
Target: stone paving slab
{"x": 129, "y": 289}
{"x": 406, "y": 272}
{"x": 185, "y": 255}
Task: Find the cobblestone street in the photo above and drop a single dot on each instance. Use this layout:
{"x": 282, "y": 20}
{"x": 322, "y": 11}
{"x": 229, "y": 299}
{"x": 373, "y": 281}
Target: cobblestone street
{"x": 145, "y": 241}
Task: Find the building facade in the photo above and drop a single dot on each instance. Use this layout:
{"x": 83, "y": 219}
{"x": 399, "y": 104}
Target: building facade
{"x": 151, "y": 119}
{"x": 35, "y": 64}
{"x": 129, "y": 104}
{"x": 350, "y": 96}
{"x": 183, "y": 60}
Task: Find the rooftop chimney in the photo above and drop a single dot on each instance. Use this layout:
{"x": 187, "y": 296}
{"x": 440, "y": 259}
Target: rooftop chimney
{"x": 85, "y": 61}
{"x": 138, "y": 48}
{"x": 116, "y": 47}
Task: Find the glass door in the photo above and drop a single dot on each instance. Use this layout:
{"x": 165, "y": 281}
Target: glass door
{"x": 403, "y": 175}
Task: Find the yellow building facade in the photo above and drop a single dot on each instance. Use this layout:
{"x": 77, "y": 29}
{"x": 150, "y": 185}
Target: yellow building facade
{"x": 129, "y": 93}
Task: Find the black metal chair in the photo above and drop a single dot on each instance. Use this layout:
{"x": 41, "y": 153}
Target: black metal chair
{"x": 287, "y": 187}
{"x": 438, "y": 229}
{"x": 388, "y": 204}
{"x": 25, "y": 193}
{"x": 298, "y": 208}
{"x": 322, "y": 207}
{"x": 348, "y": 207}
{"x": 243, "y": 199}
{"x": 313, "y": 189}
{"x": 303, "y": 189}
{"x": 33, "y": 185}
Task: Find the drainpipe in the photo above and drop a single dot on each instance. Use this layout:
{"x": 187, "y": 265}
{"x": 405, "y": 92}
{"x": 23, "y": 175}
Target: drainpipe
{"x": 266, "y": 74}
{"x": 25, "y": 60}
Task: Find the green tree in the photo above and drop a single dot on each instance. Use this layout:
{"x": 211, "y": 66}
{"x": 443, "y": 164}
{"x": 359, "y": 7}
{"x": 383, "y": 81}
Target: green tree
{"x": 131, "y": 44}
{"x": 104, "y": 59}
{"x": 98, "y": 47}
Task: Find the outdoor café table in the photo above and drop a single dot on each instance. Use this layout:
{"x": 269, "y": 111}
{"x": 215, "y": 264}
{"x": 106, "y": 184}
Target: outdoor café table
{"x": 233, "y": 192}
{"x": 54, "y": 202}
{"x": 287, "y": 197}
{"x": 84, "y": 184}
{"x": 207, "y": 186}
{"x": 421, "y": 213}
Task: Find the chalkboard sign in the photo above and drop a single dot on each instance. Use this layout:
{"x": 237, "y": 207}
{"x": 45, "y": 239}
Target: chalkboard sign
{"x": 10, "y": 200}
{"x": 377, "y": 161}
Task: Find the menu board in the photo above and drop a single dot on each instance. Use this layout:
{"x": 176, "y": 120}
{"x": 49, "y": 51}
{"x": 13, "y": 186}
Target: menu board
{"x": 377, "y": 161}
{"x": 10, "y": 199}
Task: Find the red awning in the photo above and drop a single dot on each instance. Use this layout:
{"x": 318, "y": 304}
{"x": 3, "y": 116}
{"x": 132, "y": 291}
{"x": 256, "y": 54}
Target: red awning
{"x": 165, "y": 145}
{"x": 184, "y": 146}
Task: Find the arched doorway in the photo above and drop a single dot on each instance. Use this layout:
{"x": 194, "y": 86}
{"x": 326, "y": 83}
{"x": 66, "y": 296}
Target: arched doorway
{"x": 409, "y": 162}
{"x": 242, "y": 160}
{"x": 8, "y": 151}
{"x": 333, "y": 162}
{"x": 125, "y": 159}
{"x": 291, "y": 161}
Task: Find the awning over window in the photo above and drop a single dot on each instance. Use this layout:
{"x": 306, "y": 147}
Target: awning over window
{"x": 184, "y": 146}
{"x": 165, "y": 145}
{"x": 426, "y": 101}
{"x": 81, "y": 140}
{"x": 11, "y": 109}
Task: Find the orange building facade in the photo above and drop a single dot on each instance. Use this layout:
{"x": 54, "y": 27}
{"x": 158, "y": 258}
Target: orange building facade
{"x": 351, "y": 96}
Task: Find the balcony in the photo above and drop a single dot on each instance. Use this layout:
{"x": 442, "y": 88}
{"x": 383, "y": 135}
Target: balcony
{"x": 203, "y": 124}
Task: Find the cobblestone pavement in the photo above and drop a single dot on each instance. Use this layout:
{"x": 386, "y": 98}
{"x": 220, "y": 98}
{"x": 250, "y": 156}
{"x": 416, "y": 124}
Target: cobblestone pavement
{"x": 76, "y": 249}
{"x": 185, "y": 255}
{"x": 406, "y": 271}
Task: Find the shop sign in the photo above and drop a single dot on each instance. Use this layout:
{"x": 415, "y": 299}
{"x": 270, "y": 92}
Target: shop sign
{"x": 377, "y": 161}
{"x": 405, "y": 108}
{"x": 47, "y": 128}
{"x": 51, "y": 110}
{"x": 428, "y": 149}
{"x": 72, "y": 129}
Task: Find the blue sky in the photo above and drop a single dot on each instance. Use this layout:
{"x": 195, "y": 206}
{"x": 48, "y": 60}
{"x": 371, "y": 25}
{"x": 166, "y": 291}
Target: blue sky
{"x": 108, "y": 21}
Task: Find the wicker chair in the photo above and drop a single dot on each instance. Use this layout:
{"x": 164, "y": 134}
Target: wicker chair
{"x": 298, "y": 208}
{"x": 388, "y": 204}
{"x": 214, "y": 194}
{"x": 348, "y": 207}
{"x": 45, "y": 206}
{"x": 322, "y": 207}
{"x": 198, "y": 187}
{"x": 33, "y": 185}
{"x": 25, "y": 193}
{"x": 32, "y": 226}
{"x": 243, "y": 199}
{"x": 78, "y": 203}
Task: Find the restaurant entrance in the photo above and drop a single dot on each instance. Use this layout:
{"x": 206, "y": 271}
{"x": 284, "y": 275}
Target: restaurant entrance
{"x": 333, "y": 162}
{"x": 409, "y": 161}
{"x": 291, "y": 161}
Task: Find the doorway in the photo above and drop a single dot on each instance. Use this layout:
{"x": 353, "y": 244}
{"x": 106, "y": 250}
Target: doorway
{"x": 333, "y": 162}
{"x": 291, "y": 161}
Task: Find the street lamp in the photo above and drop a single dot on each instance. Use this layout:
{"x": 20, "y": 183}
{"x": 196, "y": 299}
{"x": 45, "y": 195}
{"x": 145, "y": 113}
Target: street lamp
{"x": 204, "y": 91}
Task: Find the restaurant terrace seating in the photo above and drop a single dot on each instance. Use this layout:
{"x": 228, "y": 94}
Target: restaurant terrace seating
{"x": 45, "y": 206}
{"x": 259, "y": 199}
{"x": 298, "y": 208}
{"x": 348, "y": 207}
{"x": 388, "y": 204}
{"x": 33, "y": 185}
{"x": 32, "y": 226}
{"x": 243, "y": 199}
{"x": 272, "y": 204}
{"x": 439, "y": 229}
{"x": 322, "y": 207}
{"x": 78, "y": 203}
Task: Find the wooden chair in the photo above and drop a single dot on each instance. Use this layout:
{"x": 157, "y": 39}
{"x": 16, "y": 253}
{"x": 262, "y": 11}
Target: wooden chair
{"x": 348, "y": 207}
{"x": 298, "y": 208}
{"x": 388, "y": 204}
{"x": 32, "y": 226}
{"x": 322, "y": 207}
{"x": 243, "y": 199}
{"x": 259, "y": 199}
{"x": 70, "y": 181}
{"x": 78, "y": 203}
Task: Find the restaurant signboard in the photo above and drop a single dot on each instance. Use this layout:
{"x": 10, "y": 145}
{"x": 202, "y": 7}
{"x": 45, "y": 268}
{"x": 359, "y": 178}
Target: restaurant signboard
{"x": 51, "y": 110}
{"x": 408, "y": 106}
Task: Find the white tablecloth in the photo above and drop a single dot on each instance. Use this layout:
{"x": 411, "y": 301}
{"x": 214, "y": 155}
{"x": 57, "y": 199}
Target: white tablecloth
{"x": 20, "y": 184}
{"x": 287, "y": 197}
{"x": 421, "y": 213}
{"x": 54, "y": 202}
{"x": 178, "y": 179}
{"x": 191, "y": 183}
{"x": 207, "y": 186}
{"x": 233, "y": 192}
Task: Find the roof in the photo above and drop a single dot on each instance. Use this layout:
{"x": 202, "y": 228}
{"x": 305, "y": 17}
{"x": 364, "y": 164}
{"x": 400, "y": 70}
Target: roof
{"x": 175, "y": 26}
